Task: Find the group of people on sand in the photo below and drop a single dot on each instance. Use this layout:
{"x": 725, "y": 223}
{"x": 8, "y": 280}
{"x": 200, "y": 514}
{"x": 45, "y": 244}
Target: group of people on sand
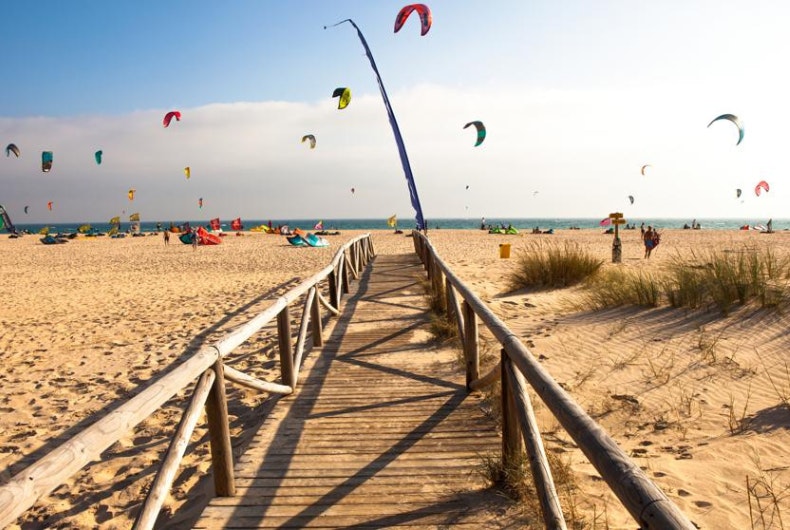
{"x": 651, "y": 239}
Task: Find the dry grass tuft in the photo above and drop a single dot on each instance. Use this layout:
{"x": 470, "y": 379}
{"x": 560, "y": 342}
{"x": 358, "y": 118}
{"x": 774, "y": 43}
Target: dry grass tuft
{"x": 547, "y": 265}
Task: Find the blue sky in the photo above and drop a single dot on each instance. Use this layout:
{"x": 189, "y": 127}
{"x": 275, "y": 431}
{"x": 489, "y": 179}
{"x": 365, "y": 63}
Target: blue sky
{"x": 576, "y": 96}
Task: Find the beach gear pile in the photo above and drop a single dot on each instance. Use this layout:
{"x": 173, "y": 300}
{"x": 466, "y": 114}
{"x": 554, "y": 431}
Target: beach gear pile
{"x": 301, "y": 239}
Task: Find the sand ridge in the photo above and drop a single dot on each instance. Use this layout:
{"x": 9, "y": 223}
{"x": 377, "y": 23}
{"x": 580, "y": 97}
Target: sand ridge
{"x": 87, "y": 323}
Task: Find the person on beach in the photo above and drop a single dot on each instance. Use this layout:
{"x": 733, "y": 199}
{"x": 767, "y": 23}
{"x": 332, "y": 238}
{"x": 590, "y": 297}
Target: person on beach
{"x": 651, "y": 239}
{"x": 166, "y": 235}
{"x": 194, "y": 239}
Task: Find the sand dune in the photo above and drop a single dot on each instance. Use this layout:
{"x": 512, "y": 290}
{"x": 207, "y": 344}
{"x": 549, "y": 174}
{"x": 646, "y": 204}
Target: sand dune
{"x": 84, "y": 324}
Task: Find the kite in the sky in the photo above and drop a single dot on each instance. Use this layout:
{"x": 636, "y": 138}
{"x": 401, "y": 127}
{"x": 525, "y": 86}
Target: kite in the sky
{"x": 734, "y": 119}
{"x": 311, "y": 138}
{"x": 737, "y": 193}
{"x": 169, "y": 117}
{"x": 353, "y": 191}
{"x": 631, "y": 198}
{"x": 344, "y": 94}
{"x": 762, "y": 185}
{"x": 26, "y": 207}
{"x": 200, "y": 202}
{"x": 12, "y": 148}
{"x": 467, "y": 186}
{"x": 49, "y": 205}
{"x": 46, "y": 161}
{"x": 188, "y": 172}
{"x": 645, "y": 167}
{"x": 425, "y": 17}
{"x": 131, "y": 194}
{"x": 481, "y": 131}
{"x": 97, "y": 155}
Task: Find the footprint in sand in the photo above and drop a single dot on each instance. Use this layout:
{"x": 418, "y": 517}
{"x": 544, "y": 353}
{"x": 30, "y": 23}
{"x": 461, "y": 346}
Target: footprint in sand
{"x": 703, "y": 504}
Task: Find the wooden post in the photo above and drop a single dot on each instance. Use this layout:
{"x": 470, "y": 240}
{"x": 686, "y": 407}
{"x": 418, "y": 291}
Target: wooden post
{"x": 175, "y": 453}
{"x": 219, "y": 432}
{"x": 454, "y": 310}
{"x": 334, "y": 299}
{"x": 286, "y": 349}
{"x": 301, "y": 337}
{"x": 617, "y": 246}
{"x": 471, "y": 351}
{"x": 538, "y": 461}
{"x": 316, "y": 327}
{"x": 511, "y": 439}
{"x": 346, "y": 275}
{"x": 428, "y": 263}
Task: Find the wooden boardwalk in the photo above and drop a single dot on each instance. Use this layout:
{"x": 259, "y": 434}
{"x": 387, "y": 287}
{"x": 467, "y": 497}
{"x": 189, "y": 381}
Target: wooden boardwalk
{"x": 381, "y": 431}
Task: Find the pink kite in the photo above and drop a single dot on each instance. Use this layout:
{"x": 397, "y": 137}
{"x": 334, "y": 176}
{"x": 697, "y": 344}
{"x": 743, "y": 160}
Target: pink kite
{"x": 169, "y": 117}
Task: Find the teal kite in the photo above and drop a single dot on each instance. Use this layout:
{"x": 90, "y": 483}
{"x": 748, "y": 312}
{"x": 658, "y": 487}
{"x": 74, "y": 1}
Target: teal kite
{"x": 481, "y": 131}
{"x": 97, "y": 155}
{"x": 735, "y": 120}
{"x": 46, "y": 161}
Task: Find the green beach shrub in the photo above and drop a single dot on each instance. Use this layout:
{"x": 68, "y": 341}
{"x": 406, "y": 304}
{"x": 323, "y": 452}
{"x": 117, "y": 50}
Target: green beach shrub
{"x": 546, "y": 265}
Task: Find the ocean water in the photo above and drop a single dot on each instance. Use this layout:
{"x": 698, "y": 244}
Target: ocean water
{"x": 433, "y": 224}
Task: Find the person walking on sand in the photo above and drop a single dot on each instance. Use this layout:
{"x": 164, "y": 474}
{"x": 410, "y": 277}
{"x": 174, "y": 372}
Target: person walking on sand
{"x": 194, "y": 239}
{"x": 650, "y": 238}
{"x": 166, "y": 235}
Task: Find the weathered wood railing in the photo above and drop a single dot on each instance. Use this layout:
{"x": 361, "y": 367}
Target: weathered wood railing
{"x": 207, "y": 367}
{"x": 646, "y": 503}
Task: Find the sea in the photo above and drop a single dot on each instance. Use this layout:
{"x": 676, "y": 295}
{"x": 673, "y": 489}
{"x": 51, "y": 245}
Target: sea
{"x": 433, "y": 224}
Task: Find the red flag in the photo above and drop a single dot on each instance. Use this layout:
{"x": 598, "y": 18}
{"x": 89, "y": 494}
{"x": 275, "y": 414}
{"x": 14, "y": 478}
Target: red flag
{"x": 236, "y": 224}
{"x": 214, "y": 224}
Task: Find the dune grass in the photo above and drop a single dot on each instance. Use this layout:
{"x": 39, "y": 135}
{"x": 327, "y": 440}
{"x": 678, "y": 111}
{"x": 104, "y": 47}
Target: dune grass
{"x": 712, "y": 279}
{"x": 616, "y": 287}
{"x": 545, "y": 265}
{"x": 727, "y": 279}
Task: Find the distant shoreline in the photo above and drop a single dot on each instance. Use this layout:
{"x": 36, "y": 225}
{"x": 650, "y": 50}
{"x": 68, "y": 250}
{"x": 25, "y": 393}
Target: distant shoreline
{"x": 521, "y": 223}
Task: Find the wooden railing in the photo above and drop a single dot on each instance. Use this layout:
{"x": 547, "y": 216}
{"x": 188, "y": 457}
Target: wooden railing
{"x": 207, "y": 367}
{"x": 646, "y": 503}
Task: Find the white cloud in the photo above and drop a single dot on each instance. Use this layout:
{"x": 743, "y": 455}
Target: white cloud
{"x": 582, "y": 150}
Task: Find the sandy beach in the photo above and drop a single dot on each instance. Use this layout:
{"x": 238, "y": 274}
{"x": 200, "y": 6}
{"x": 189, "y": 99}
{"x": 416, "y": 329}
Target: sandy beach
{"x": 86, "y": 323}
